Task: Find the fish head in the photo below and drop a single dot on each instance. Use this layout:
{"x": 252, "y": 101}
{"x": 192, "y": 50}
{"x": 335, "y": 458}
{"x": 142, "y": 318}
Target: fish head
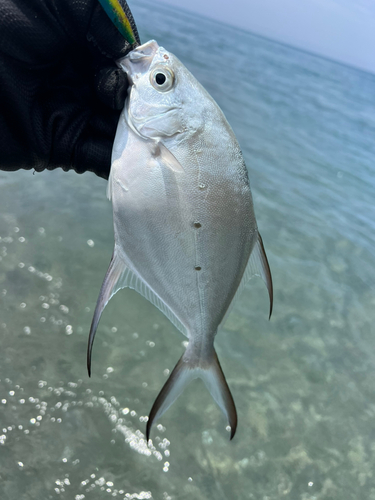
{"x": 160, "y": 91}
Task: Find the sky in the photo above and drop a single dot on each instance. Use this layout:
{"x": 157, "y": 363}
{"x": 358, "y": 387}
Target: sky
{"x": 343, "y": 30}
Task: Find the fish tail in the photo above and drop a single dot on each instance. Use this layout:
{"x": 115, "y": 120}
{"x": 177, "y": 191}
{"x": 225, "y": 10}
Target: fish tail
{"x": 183, "y": 373}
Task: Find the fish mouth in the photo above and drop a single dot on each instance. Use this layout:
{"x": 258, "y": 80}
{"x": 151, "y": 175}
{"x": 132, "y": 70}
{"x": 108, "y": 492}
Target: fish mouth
{"x": 139, "y": 59}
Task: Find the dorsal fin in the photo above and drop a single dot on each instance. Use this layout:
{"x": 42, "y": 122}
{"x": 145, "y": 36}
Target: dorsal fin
{"x": 256, "y": 266}
{"x": 260, "y": 267}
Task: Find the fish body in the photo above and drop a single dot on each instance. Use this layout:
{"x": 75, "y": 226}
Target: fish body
{"x": 186, "y": 236}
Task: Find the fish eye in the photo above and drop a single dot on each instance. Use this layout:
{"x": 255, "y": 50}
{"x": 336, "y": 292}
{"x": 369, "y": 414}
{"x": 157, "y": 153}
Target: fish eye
{"x": 162, "y": 78}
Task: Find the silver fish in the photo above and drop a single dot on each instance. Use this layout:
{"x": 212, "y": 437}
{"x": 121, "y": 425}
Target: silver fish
{"x": 186, "y": 237}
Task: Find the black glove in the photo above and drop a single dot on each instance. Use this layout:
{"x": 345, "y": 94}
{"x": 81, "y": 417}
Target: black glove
{"x": 60, "y": 90}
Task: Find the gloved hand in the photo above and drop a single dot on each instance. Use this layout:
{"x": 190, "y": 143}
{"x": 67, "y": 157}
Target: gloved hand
{"x": 60, "y": 91}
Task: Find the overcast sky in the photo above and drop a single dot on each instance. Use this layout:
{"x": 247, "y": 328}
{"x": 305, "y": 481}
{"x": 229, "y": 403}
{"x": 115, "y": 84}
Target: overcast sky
{"x": 343, "y": 30}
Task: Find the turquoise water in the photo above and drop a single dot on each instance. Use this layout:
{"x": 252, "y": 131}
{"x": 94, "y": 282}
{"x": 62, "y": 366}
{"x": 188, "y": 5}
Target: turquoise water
{"x": 304, "y": 383}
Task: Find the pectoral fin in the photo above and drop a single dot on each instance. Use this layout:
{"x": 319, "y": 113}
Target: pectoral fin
{"x": 165, "y": 158}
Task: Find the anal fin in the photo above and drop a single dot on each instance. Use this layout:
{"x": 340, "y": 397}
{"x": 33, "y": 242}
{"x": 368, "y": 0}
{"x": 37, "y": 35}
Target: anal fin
{"x": 109, "y": 287}
{"x": 119, "y": 275}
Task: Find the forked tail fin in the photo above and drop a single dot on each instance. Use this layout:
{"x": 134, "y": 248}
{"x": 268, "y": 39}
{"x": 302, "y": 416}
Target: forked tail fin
{"x": 183, "y": 373}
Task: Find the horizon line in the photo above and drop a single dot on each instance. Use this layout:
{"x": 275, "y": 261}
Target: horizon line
{"x": 259, "y": 35}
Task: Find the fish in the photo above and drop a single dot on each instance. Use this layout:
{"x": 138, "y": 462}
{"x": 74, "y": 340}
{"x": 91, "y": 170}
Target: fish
{"x": 185, "y": 231}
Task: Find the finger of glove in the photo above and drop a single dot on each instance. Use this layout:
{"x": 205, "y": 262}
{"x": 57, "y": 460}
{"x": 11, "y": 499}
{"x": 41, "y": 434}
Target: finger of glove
{"x": 93, "y": 147}
{"x": 111, "y": 85}
{"x": 81, "y": 129}
{"x": 38, "y": 32}
{"x": 93, "y": 154}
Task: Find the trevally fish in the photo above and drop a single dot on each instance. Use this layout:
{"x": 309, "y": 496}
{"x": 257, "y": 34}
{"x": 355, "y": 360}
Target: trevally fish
{"x": 186, "y": 237}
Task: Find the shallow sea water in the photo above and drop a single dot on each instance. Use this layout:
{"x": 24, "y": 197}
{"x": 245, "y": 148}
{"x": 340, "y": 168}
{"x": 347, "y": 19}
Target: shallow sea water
{"x": 304, "y": 382}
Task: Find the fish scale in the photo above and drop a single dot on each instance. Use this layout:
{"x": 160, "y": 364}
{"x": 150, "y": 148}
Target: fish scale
{"x": 186, "y": 236}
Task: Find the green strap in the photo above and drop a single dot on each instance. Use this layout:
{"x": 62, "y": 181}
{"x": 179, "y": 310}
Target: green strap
{"x": 117, "y": 15}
